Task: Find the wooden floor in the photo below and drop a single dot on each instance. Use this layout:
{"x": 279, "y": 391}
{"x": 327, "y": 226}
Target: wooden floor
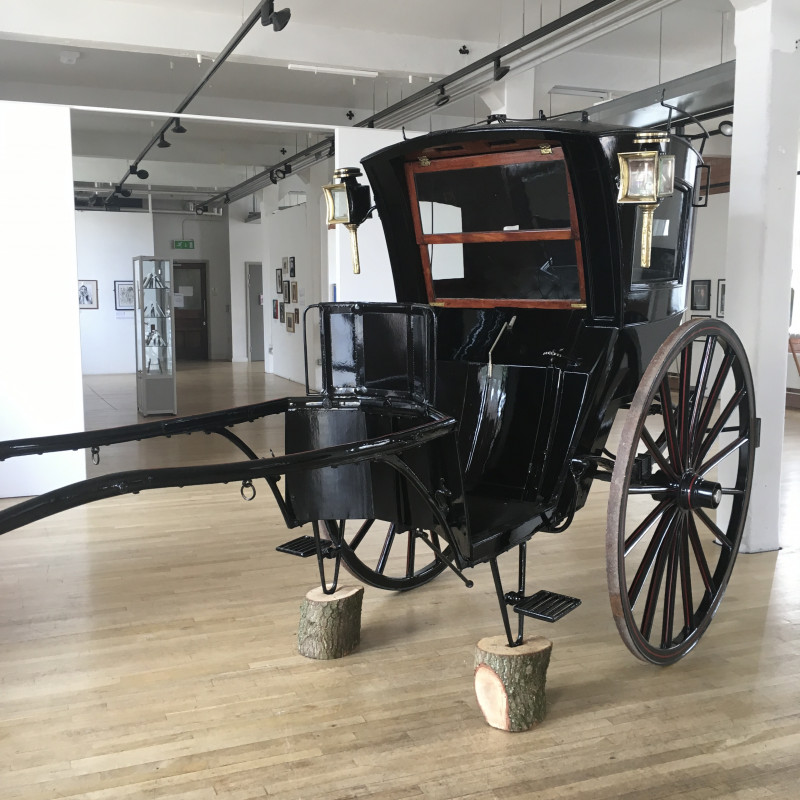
{"x": 147, "y": 650}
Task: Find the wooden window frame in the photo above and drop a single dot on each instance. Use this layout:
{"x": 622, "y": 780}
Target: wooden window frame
{"x": 413, "y": 168}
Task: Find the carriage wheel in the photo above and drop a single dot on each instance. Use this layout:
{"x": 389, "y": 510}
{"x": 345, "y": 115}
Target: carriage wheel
{"x": 679, "y": 490}
{"x": 381, "y": 555}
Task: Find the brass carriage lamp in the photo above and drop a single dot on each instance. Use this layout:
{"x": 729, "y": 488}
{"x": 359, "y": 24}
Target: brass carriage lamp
{"x": 645, "y": 178}
{"x": 348, "y": 204}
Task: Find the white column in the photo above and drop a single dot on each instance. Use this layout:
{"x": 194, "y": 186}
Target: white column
{"x": 40, "y": 345}
{"x": 763, "y": 168}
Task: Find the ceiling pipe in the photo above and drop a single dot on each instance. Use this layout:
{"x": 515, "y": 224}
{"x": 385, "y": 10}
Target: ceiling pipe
{"x": 577, "y": 27}
{"x": 245, "y": 28}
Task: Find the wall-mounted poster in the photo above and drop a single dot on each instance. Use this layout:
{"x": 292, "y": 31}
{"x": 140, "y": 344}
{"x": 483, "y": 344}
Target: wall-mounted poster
{"x": 294, "y": 292}
{"x": 279, "y": 281}
{"x": 274, "y": 309}
{"x": 123, "y": 295}
{"x": 282, "y": 312}
{"x": 291, "y": 266}
{"x": 87, "y": 294}
{"x": 701, "y": 295}
{"x": 287, "y": 293}
{"x": 721, "y": 298}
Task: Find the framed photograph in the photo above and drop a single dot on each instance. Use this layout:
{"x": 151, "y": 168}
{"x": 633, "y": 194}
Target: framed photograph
{"x": 87, "y": 294}
{"x": 279, "y": 281}
{"x": 701, "y": 316}
{"x": 721, "y": 298}
{"x": 287, "y": 293}
{"x": 701, "y": 295}
{"x": 285, "y": 263}
{"x": 123, "y": 295}
{"x": 297, "y": 316}
{"x": 274, "y": 309}
{"x": 291, "y": 266}
{"x": 282, "y": 312}
{"x": 294, "y": 292}
{"x": 290, "y": 322}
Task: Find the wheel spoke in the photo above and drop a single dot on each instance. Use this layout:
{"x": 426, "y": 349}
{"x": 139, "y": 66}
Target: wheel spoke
{"x": 719, "y": 425}
{"x": 387, "y": 547}
{"x": 700, "y": 556}
{"x": 716, "y": 388}
{"x": 652, "y": 551}
{"x": 702, "y": 382}
{"x": 684, "y": 404}
{"x": 662, "y": 554}
{"x": 644, "y": 526}
{"x": 722, "y": 455}
{"x": 686, "y": 580}
{"x": 362, "y": 532}
{"x": 412, "y": 544}
{"x": 720, "y": 536}
{"x": 655, "y": 451}
{"x": 670, "y": 591}
{"x": 669, "y": 425}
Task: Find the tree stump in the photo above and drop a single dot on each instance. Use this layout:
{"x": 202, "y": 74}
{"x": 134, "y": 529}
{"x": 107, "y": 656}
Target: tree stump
{"x": 509, "y": 681}
{"x": 330, "y": 624}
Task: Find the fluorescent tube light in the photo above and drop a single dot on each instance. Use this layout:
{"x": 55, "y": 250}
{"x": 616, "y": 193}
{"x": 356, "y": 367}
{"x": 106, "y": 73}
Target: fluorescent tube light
{"x": 356, "y": 73}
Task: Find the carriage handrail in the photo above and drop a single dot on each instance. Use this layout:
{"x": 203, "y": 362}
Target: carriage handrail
{"x": 135, "y": 481}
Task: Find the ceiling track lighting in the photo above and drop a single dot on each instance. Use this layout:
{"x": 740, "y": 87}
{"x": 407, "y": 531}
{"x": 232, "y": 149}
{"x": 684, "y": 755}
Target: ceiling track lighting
{"x": 162, "y": 142}
{"x": 177, "y": 127}
{"x": 124, "y": 192}
{"x": 725, "y": 127}
{"x": 355, "y": 73}
{"x": 278, "y": 19}
{"x": 442, "y": 99}
{"x": 141, "y": 174}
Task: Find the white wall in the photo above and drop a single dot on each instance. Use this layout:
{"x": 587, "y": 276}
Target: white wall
{"x": 708, "y": 256}
{"x": 107, "y": 243}
{"x": 211, "y": 244}
{"x": 246, "y": 244}
{"x": 39, "y": 329}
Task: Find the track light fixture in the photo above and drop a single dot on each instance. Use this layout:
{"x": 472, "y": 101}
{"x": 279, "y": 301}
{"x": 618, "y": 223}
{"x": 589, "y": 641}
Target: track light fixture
{"x": 725, "y": 127}
{"x": 442, "y": 99}
{"x": 177, "y": 127}
{"x": 278, "y": 19}
{"x": 500, "y": 71}
{"x": 123, "y": 192}
{"x": 141, "y": 174}
{"x": 349, "y": 115}
{"x": 162, "y": 142}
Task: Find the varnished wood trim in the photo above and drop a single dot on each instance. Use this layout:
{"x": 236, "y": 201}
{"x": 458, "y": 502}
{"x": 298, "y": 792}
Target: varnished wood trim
{"x": 487, "y": 160}
{"x": 476, "y": 237}
{"x": 483, "y": 302}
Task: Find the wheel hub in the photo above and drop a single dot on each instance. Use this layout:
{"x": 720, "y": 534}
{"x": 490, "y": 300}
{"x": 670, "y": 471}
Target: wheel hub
{"x": 694, "y": 492}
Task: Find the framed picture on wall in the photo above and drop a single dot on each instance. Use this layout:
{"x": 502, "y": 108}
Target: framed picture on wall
{"x": 297, "y": 316}
{"x": 721, "y": 298}
{"x": 701, "y": 295}
{"x": 701, "y": 316}
{"x": 87, "y": 294}
{"x": 294, "y": 292}
{"x": 274, "y": 309}
{"x": 279, "y": 281}
{"x": 282, "y": 312}
{"x": 123, "y": 295}
{"x": 285, "y": 263}
{"x": 287, "y": 293}
{"x": 290, "y": 322}
{"x": 291, "y": 266}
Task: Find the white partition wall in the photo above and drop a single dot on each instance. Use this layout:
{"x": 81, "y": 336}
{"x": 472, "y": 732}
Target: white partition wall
{"x": 39, "y": 330}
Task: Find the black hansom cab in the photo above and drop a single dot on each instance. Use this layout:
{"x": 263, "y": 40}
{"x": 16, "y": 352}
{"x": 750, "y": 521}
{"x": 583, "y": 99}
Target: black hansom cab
{"x": 540, "y": 271}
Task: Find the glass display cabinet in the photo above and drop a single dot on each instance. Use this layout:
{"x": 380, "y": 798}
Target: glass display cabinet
{"x": 155, "y": 336}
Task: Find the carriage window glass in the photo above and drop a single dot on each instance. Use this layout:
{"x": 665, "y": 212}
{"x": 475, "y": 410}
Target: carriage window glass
{"x": 668, "y": 228}
{"x": 521, "y": 270}
{"x": 527, "y": 196}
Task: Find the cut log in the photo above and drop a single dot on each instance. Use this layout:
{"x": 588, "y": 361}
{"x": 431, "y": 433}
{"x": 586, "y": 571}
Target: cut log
{"x": 330, "y": 624}
{"x": 509, "y": 681}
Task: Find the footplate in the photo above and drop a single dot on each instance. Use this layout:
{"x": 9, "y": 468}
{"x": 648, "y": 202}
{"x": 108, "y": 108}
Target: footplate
{"x": 303, "y": 546}
{"x": 547, "y": 606}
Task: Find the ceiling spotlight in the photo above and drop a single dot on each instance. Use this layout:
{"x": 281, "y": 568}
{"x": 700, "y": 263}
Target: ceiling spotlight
{"x": 69, "y": 57}
{"x": 725, "y": 127}
{"x": 278, "y": 19}
{"x": 283, "y": 151}
{"x": 442, "y": 99}
{"x": 464, "y": 50}
{"x": 349, "y": 115}
{"x": 124, "y": 192}
{"x": 499, "y": 71}
{"x": 177, "y": 127}
{"x": 141, "y": 174}
{"x": 162, "y": 142}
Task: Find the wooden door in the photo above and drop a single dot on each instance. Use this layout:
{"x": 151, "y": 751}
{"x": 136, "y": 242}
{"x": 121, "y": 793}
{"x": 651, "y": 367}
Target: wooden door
{"x": 191, "y": 323}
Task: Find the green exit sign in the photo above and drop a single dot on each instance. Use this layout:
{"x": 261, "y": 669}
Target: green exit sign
{"x": 183, "y": 244}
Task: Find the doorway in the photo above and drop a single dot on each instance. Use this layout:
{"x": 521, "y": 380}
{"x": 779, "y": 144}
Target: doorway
{"x": 191, "y": 305}
{"x": 255, "y": 312}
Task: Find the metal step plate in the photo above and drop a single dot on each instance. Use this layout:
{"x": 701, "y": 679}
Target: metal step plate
{"x": 302, "y": 546}
{"x": 547, "y": 606}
